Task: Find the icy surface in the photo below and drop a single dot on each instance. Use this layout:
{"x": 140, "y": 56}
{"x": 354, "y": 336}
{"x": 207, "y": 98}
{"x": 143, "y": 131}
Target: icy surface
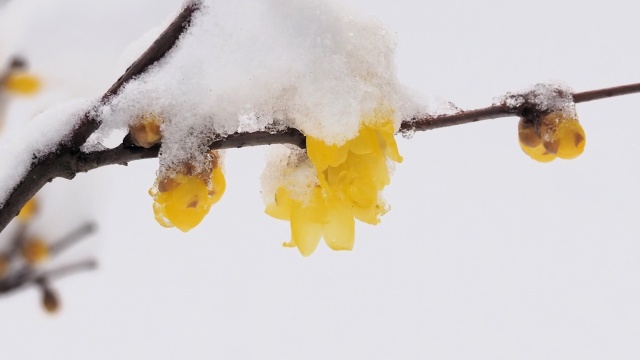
{"x": 39, "y": 137}
{"x": 246, "y": 64}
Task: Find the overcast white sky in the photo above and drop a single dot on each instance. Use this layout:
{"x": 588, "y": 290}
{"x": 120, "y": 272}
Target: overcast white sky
{"x": 485, "y": 254}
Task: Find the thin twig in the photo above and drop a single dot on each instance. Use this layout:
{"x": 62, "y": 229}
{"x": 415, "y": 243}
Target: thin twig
{"x": 69, "y": 269}
{"x": 29, "y": 276}
{"x": 72, "y": 238}
{"x": 25, "y": 273}
{"x": 428, "y": 122}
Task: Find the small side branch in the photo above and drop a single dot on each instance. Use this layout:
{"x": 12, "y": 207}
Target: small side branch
{"x": 21, "y": 273}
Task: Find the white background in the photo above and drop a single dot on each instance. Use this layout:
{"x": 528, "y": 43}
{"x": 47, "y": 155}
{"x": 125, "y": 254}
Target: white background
{"x": 485, "y": 255}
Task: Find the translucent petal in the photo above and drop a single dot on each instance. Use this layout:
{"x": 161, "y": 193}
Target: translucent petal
{"x": 389, "y": 146}
{"x": 571, "y": 139}
{"x": 187, "y": 205}
{"x": 219, "y": 185}
{"x": 538, "y": 153}
{"x": 365, "y": 143}
{"x": 323, "y": 155}
{"x": 307, "y": 221}
{"x": 339, "y": 232}
{"x": 280, "y": 208}
{"x": 160, "y": 216}
{"x": 306, "y": 231}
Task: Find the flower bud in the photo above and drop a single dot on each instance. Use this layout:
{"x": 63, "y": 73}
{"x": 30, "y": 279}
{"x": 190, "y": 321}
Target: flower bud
{"x": 146, "y": 132}
{"x": 35, "y": 251}
{"x": 50, "y": 300}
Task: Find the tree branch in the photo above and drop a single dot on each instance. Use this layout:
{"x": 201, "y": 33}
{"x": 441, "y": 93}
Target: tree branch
{"x": 25, "y": 273}
{"x": 68, "y": 160}
{"x": 60, "y": 163}
{"x": 428, "y": 122}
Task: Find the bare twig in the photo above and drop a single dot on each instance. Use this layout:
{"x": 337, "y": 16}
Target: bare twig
{"x": 28, "y": 276}
{"x": 427, "y": 122}
{"x": 25, "y": 273}
{"x": 69, "y": 269}
{"x": 72, "y": 238}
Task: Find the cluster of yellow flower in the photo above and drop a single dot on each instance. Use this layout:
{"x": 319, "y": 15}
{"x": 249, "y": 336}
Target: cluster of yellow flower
{"x": 351, "y": 177}
{"x": 555, "y": 135}
{"x": 182, "y": 199}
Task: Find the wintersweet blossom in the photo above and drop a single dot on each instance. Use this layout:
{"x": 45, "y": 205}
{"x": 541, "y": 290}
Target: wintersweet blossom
{"x": 555, "y": 135}
{"x": 350, "y": 177}
{"x": 184, "y": 199}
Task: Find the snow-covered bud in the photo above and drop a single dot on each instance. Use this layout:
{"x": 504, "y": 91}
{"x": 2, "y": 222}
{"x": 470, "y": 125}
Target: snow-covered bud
{"x": 146, "y": 132}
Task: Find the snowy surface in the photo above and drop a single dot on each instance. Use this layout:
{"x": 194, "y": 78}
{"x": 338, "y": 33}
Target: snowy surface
{"x": 547, "y": 97}
{"x": 37, "y": 138}
{"x": 290, "y": 167}
{"x": 313, "y": 65}
{"x": 484, "y": 255}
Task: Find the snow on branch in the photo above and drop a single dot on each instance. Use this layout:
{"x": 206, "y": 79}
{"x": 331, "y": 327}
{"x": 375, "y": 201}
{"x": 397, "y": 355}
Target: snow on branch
{"x": 57, "y": 159}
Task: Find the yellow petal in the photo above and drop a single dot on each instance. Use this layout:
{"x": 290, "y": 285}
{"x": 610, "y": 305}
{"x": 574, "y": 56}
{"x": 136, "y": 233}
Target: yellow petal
{"x": 187, "y": 205}
{"x": 280, "y": 208}
{"x": 538, "y": 153}
{"x": 160, "y": 216}
{"x": 307, "y": 221}
{"x": 305, "y": 230}
{"x": 339, "y": 232}
{"x": 323, "y": 155}
{"x": 389, "y": 146}
{"x": 219, "y": 185}
{"x": 365, "y": 143}
{"x": 571, "y": 139}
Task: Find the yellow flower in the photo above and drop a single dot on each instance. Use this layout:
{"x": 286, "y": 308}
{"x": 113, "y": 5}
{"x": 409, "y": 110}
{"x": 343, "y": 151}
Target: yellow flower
{"x": 556, "y": 136}
{"x": 22, "y": 83}
{"x": 351, "y": 177}
{"x": 185, "y": 199}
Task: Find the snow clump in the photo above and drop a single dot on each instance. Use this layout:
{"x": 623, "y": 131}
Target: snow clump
{"x": 248, "y": 65}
